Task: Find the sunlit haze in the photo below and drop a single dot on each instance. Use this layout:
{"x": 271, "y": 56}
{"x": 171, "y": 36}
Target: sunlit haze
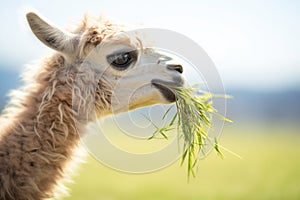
{"x": 254, "y": 44}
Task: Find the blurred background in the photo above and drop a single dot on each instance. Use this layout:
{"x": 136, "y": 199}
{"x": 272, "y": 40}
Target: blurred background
{"x": 255, "y": 46}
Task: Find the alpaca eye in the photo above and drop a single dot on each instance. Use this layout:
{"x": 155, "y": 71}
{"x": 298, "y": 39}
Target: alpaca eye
{"x": 121, "y": 60}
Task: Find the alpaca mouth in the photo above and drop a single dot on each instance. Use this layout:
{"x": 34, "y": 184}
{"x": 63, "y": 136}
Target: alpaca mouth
{"x": 166, "y": 87}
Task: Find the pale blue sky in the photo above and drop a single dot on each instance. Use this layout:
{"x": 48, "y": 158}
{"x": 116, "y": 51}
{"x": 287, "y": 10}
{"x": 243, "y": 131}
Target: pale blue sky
{"x": 254, "y": 44}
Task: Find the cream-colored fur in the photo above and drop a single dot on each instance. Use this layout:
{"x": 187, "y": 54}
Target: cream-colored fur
{"x": 41, "y": 126}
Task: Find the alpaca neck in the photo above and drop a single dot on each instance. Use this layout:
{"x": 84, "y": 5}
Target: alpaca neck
{"x": 36, "y": 146}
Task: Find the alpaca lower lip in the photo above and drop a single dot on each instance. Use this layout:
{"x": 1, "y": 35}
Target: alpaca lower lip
{"x": 165, "y": 88}
{"x": 176, "y": 82}
{"x": 167, "y": 93}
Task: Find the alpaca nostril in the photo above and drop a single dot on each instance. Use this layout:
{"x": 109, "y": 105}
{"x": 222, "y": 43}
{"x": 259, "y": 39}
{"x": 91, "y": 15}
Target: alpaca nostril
{"x": 177, "y": 68}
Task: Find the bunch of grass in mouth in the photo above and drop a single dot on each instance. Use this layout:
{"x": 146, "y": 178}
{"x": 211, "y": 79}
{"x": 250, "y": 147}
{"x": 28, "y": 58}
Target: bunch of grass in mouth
{"x": 192, "y": 120}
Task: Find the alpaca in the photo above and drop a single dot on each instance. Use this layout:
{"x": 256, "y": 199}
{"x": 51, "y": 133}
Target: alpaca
{"x": 42, "y": 125}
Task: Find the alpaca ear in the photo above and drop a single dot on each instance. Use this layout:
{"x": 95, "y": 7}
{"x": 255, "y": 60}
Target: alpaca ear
{"x": 50, "y": 35}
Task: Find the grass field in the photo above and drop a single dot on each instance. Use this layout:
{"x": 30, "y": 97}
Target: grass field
{"x": 269, "y": 169}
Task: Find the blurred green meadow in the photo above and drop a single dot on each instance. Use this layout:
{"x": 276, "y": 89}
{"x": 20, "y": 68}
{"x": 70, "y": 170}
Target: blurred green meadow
{"x": 269, "y": 169}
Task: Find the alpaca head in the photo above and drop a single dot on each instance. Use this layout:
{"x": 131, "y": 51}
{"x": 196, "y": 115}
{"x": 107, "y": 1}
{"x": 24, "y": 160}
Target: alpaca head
{"x": 134, "y": 75}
